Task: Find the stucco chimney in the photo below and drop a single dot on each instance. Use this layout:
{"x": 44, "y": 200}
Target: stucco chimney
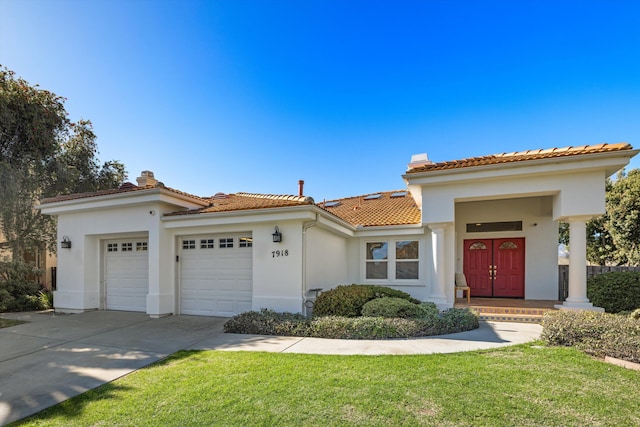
{"x": 419, "y": 160}
{"x": 300, "y": 188}
{"x": 146, "y": 178}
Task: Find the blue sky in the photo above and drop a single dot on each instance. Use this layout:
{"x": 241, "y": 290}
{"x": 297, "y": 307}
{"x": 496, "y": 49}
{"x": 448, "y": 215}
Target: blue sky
{"x": 254, "y": 95}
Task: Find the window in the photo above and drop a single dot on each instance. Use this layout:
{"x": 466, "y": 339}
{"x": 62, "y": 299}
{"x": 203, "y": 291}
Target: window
{"x": 245, "y": 242}
{"x": 508, "y": 245}
{"x": 141, "y": 246}
{"x": 401, "y": 263}
{"x": 206, "y": 243}
{"x": 226, "y": 242}
{"x": 478, "y": 246}
{"x": 486, "y": 227}
{"x": 407, "y": 259}
{"x": 377, "y": 260}
{"x": 112, "y": 247}
{"x": 127, "y": 247}
{"x": 188, "y": 244}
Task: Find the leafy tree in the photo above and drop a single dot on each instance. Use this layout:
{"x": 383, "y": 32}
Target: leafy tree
{"x": 42, "y": 154}
{"x": 614, "y": 238}
{"x": 623, "y": 216}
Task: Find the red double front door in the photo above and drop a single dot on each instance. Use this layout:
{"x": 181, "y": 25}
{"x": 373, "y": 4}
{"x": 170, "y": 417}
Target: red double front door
{"x": 495, "y": 267}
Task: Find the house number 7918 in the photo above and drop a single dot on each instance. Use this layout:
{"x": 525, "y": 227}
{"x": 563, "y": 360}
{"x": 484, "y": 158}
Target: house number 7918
{"x": 279, "y": 253}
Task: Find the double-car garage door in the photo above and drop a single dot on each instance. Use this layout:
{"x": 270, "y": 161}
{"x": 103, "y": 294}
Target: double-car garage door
{"x": 216, "y": 274}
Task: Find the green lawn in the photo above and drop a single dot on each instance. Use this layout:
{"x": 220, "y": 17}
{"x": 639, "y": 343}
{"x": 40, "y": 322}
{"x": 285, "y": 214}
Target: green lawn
{"x": 525, "y": 385}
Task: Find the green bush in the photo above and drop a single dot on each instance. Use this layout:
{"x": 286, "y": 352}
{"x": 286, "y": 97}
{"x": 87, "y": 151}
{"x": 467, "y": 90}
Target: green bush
{"x": 17, "y": 292}
{"x": 268, "y": 322}
{"x": 615, "y": 291}
{"x": 398, "y": 307}
{"x": 348, "y": 300}
{"x": 598, "y": 334}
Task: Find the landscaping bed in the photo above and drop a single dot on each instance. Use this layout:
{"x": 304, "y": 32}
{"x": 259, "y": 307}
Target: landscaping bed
{"x": 358, "y": 312}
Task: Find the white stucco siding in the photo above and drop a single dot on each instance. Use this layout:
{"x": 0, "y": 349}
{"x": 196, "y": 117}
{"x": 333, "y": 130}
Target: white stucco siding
{"x": 540, "y": 232}
{"x": 81, "y": 268}
{"x": 277, "y": 267}
{"x": 327, "y": 260}
{"x": 580, "y": 193}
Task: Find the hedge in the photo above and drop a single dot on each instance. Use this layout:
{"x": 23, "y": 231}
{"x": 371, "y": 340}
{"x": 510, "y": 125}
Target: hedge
{"x": 598, "y": 334}
{"x": 615, "y": 291}
{"x": 348, "y": 300}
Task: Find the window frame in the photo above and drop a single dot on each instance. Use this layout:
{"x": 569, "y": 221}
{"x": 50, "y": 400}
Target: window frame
{"x": 392, "y": 261}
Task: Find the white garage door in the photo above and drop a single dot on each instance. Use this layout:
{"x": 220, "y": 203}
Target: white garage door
{"x": 126, "y": 274}
{"x": 216, "y": 274}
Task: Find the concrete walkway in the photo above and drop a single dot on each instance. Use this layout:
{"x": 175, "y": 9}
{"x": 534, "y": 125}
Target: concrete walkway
{"x": 55, "y": 357}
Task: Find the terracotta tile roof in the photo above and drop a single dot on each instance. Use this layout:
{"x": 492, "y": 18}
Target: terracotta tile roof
{"x": 127, "y": 187}
{"x": 521, "y": 156}
{"x": 391, "y": 208}
{"x": 245, "y": 201}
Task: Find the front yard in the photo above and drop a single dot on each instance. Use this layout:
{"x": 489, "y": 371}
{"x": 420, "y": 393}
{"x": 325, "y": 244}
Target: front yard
{"x": 522, "y": 385}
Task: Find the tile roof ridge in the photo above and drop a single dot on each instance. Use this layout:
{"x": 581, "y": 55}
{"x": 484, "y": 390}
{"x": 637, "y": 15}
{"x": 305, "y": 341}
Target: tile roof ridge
{"x": 517, "y": 155}
{"x": 301, "y": 199}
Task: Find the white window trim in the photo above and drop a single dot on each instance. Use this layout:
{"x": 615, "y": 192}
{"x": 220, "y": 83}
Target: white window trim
{"x": 391, "y": 262}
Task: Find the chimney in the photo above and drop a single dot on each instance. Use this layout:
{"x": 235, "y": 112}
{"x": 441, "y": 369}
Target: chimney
{"x": 146, "y": 179}
{"x": 419, "y": 160}
{"x": 300, "y": 188}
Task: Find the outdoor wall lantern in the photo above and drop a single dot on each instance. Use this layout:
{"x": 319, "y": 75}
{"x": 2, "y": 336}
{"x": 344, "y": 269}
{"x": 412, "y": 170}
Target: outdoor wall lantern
{"x": 277, "y": 235}
{"x": 66, "y": 243}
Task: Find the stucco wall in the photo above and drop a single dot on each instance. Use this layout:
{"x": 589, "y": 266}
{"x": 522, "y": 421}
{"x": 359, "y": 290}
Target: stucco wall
{"x": 327, "y": 260}
{"x": 79, "y": 268}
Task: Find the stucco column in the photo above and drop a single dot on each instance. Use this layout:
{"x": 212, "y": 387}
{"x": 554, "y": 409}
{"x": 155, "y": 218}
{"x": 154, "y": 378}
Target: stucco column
{"x": 439, "y": 232}
{"x": 577, "y": 299}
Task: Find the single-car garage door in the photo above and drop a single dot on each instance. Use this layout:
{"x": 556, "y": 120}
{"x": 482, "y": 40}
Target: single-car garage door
{"x": 126, "y": 274}
{"x": 216, "y": 274}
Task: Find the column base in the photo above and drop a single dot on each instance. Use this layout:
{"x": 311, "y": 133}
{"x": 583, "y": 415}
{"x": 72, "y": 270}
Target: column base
{"x": 587, "y": 306}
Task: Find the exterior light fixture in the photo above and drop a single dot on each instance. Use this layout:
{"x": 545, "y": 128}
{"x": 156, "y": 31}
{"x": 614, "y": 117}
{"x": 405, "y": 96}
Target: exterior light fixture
{"x": 66, "y": 243}
{"x": 277, "y": 235}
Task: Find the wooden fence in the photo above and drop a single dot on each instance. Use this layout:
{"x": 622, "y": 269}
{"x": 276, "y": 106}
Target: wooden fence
{"x": 592, "y": 270}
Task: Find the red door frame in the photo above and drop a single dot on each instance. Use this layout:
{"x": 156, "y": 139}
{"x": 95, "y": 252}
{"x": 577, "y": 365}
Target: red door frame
{"x": 495, "y": 267}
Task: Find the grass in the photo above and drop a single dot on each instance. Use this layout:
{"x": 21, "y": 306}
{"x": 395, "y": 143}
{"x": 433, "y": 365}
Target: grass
{"x": 524, "y": 385}
{"x": 6, "y": 323}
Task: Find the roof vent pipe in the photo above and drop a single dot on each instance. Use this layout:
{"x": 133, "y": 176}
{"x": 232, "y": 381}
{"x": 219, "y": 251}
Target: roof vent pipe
{"x": 300, "y": 188}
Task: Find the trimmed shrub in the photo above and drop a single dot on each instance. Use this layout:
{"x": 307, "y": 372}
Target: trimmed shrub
{"x": 615, "y": 291}
{"x": 460, "y": 318}
{"x": 398, "y": 307}
{"x": 348, "y": 300}
{"x": 268, "y": 322}
{"x": 598, "y": 334}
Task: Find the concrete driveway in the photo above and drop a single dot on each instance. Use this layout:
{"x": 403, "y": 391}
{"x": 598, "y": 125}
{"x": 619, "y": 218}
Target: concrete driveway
{"x": 55, "y": 357}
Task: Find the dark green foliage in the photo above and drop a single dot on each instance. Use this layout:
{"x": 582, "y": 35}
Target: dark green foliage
{"x": 615, "y": 291}
{"x": 268, "y": 322}
{"x": 348, "y": 300}
{"x": 598, "y": 334}
{"x": 17, "y": 293}
{"x": 398, "y": 307}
